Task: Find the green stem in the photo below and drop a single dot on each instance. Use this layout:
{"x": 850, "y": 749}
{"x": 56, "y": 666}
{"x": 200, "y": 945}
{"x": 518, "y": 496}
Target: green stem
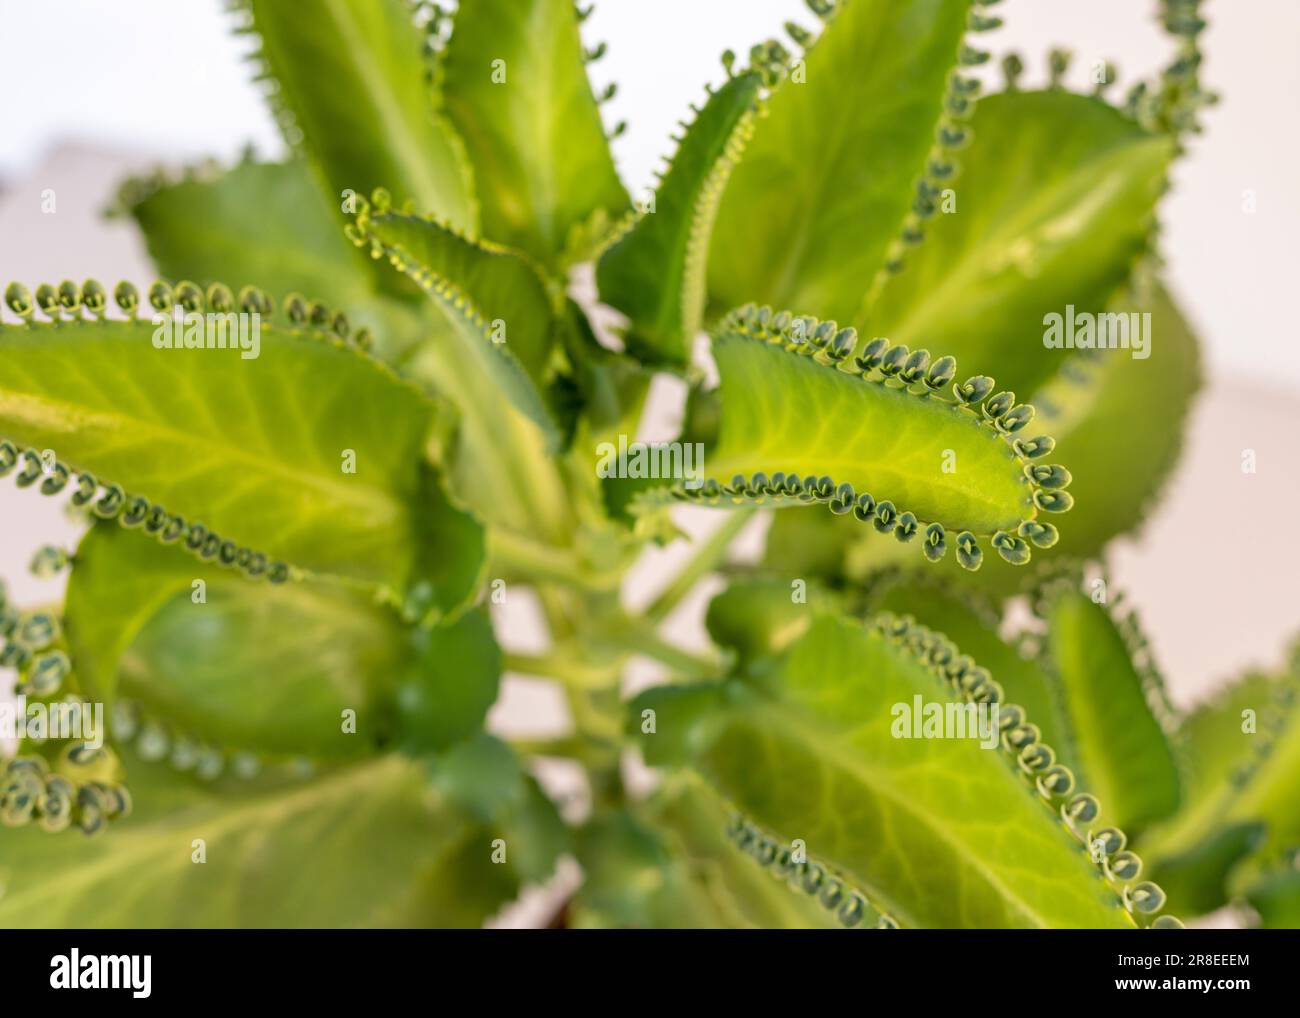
{"x": 568, "y": 670}
{"x": 521, "y": 556}
{"x": 568, "y": 746}
{"x": 643, "y": 639}
{"x": 703, "y": 562}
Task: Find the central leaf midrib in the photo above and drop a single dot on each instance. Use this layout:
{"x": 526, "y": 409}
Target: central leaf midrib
{"x": 396, "y": 124}
{"x": 968, "y": 263}
{"x": 157, "y": 839}
{"x": 359, "y": 494}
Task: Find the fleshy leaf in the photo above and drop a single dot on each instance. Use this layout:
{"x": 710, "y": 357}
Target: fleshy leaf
{"x": 760, "y": 618}
{"x": 267, "y": 223}
{"x": 309, "y": 452}
{"x": 827, "y": 180}
{"x": 940, "y": 832}
{"x": 483, "y": 777}
{"x": 265, "y": 866}
{"x": 268, "y": 669}
{"x": 972, "y": 623}
{"x": 501, "y": 464}
{"x": 671, "y": 866}
{"x": 872, "y": 436}
{"x": 354, "y": 92}
{"x": 444, "y": 693}
{"x": 1117, "y": 474}
{"x": 1276, "y": 897}
{"x": 1243, "y": 761}
{"x": 516, "y": 88}
{"x": 500, "y": 283}
{"x": 1197, "y": 880}
{"x": 1044, "y": 219}
{"x": 655, "y": 271}
{"x": 1115, "y": 706}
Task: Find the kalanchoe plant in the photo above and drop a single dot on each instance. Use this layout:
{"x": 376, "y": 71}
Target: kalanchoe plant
{"x": 282, "y": 594}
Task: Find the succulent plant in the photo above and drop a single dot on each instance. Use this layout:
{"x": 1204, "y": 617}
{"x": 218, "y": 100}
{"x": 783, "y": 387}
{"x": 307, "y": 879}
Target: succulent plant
{"x": 366, "y": 408}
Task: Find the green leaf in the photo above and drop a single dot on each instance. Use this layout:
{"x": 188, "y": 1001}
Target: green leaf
{"x": 1115, "y": 707}
{"x": 760, "y": 618}
{"x": 502, "y": 285}
{"x": 1043, "y": 220}
{"x": 972, "y": 623}
{"x": 1223, "y": 734}
{"x": 1118, "y": 473}
{"x": 671, "y": 867}
{"x": 516, "y": 88}
{"x": 655, "y": 271}
{"x": 874, "y": 437}
{"x": 262, "y": 223}
{"x": 268, "y": 223}
{"x": 1244, "y": 765}
{"x": 445, "y": 692}
{"x": 354, "y": 92}
{"x": 1197, "y": 880}
{"x": 193, "y": 646}
{"x": 939, "y": 832}
{"x": 501, "y": 461}
{"x": 255, "y": 448}
{"x": 828, "y": 178}
{"x": 358, "y": 846}
{"x": 1276, "y": 897}
{"x": 483, "y": 777}
{"x": 815, "y": 545}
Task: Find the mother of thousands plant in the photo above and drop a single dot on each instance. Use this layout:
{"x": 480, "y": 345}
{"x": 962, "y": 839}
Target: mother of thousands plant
{"x": 299, "y": 510}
